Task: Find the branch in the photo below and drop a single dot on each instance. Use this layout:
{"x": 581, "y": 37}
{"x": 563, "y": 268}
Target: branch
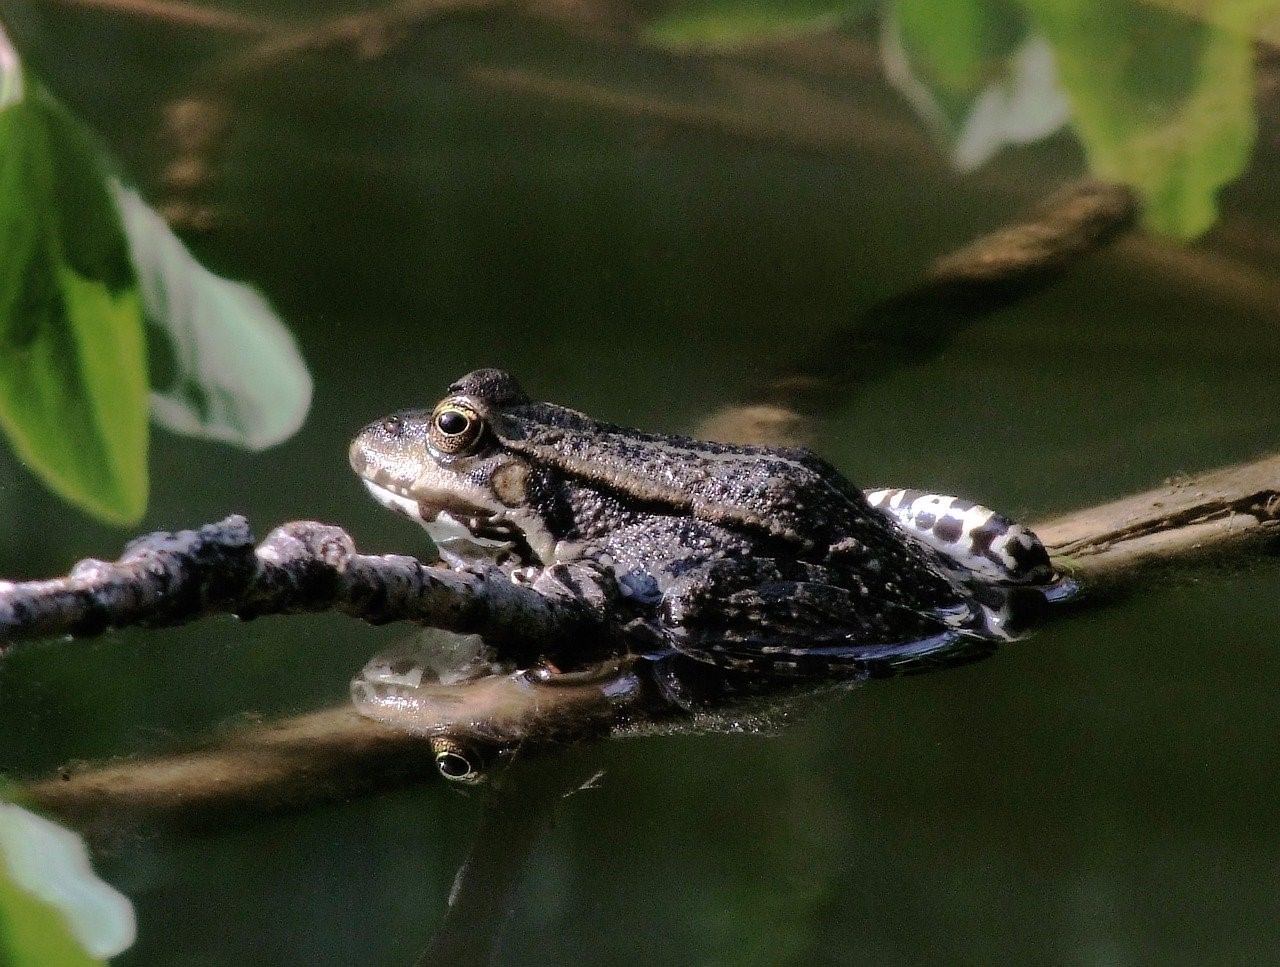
{"x": 1226, "y": 514}
{"x": 172, "y": 578}
{"x": 324, "y": 756}
{"x": 369, "y": 32}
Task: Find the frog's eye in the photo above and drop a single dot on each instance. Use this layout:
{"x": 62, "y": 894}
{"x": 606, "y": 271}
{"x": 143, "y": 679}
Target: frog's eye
{"x": 455, "y": 427}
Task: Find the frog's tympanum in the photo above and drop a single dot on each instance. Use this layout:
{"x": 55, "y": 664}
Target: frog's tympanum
{"x": 753, "y": 558}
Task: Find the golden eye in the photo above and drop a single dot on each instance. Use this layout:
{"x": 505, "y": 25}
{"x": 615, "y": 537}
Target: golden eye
{"x": 454, "y": 427}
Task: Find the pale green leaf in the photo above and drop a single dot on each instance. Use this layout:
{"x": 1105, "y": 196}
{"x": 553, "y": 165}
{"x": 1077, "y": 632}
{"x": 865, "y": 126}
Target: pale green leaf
{"x": 54, "y": 910}
{"x": 240, "y": 378}
{"x": 11, "y": 86}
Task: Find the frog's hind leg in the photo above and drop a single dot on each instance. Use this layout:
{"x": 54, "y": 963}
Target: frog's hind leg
{"x": 976, "y": 539}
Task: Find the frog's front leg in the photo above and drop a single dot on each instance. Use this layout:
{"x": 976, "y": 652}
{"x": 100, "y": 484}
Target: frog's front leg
{"x": 974, "y": 538}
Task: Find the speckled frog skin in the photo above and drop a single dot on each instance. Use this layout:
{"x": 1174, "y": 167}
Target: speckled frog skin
{"x": 750, "y": 557}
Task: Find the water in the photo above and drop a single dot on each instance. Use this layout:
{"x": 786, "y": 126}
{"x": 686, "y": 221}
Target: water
{"x": 646, "y": 235}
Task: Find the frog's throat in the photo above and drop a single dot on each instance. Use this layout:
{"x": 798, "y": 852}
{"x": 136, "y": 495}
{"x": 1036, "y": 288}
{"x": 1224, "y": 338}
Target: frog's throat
{"x": 446, "y": 529}
{"x": 487, "y": 532}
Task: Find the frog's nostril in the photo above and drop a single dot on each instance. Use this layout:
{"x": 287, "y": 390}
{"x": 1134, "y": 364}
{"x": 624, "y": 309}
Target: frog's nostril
{"x": 392, "y": 425}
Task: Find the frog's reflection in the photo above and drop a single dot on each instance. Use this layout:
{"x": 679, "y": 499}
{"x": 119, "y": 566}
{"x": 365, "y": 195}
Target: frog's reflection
{"x": 520, "y": 731}
{"x": 476, "y": 711}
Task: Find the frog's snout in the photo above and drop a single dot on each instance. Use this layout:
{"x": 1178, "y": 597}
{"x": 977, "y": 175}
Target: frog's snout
{"x": 383, "y": 442}
{"x": 357, "y": 458}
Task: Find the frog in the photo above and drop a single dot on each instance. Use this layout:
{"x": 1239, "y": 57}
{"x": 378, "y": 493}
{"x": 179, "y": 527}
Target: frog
{"x": 755, "y": 559}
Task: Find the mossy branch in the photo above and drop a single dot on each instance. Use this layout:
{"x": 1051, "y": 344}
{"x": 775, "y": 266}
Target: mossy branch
{"x": 167, "y": 578}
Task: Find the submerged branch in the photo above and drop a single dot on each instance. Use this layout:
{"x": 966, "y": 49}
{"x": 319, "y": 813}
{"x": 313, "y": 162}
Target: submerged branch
{"x": 321, "y": 756}
{"x": 324, "y": 756}
{"x": 959, "y": 289}
{"x": 173, "y": 578}
{"x": 330, "y": 755}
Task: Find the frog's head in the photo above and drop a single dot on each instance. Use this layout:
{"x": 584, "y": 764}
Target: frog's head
{"x": 453, "y": 470}
{"x": 489, "y": 471}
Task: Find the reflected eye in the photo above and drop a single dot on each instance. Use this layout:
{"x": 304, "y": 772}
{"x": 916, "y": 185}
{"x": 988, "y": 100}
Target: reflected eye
{"x": 453, "y": 766}
{"x": 455, "y": 763}
{"x": 455, "y": 427}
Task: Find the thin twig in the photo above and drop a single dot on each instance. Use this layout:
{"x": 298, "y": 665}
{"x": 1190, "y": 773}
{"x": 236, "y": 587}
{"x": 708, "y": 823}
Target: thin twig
{"x": 175, "y": 13}
{"x": 368, "y": 33}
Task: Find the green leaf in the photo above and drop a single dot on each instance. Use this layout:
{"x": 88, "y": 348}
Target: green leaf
{"x": 54, "y": 911}
{"x": 1160, "y": 102}
{"x": 73, "y": 379}
{"x": 732, "y": 23}
{"x": 33, "y": 934}
{"x": 239, "y": 377}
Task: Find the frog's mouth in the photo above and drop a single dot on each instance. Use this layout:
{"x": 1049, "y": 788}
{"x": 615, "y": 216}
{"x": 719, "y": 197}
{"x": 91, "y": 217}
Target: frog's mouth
{"x": 455, "y": 527}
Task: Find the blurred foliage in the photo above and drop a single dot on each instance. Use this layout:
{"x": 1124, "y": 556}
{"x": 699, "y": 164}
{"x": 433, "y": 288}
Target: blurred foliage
{"x": 960, "y": 47}
{"x": 73, "y": 373}
{"x": 1161, "y": 100}
{"x": 85, "y": 265}
{"x": 54, "y": 911}
{"x": 237, "y": 375}
{"x": 975, "y": 72}
{"x": 33, "y": 934}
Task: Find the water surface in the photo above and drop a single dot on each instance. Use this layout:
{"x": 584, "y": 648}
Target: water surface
{"x": 647, "y": 233}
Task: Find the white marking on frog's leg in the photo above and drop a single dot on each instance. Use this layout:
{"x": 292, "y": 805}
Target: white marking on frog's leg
{"x": 974, "y": 538}
{"x": 1021, "y": 552}
{"x": 973, "y": 516}
{"x": 876, "y": 498}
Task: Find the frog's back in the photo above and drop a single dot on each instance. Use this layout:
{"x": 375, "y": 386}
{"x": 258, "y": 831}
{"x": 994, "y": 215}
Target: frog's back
{"x": 785, "y": 492}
